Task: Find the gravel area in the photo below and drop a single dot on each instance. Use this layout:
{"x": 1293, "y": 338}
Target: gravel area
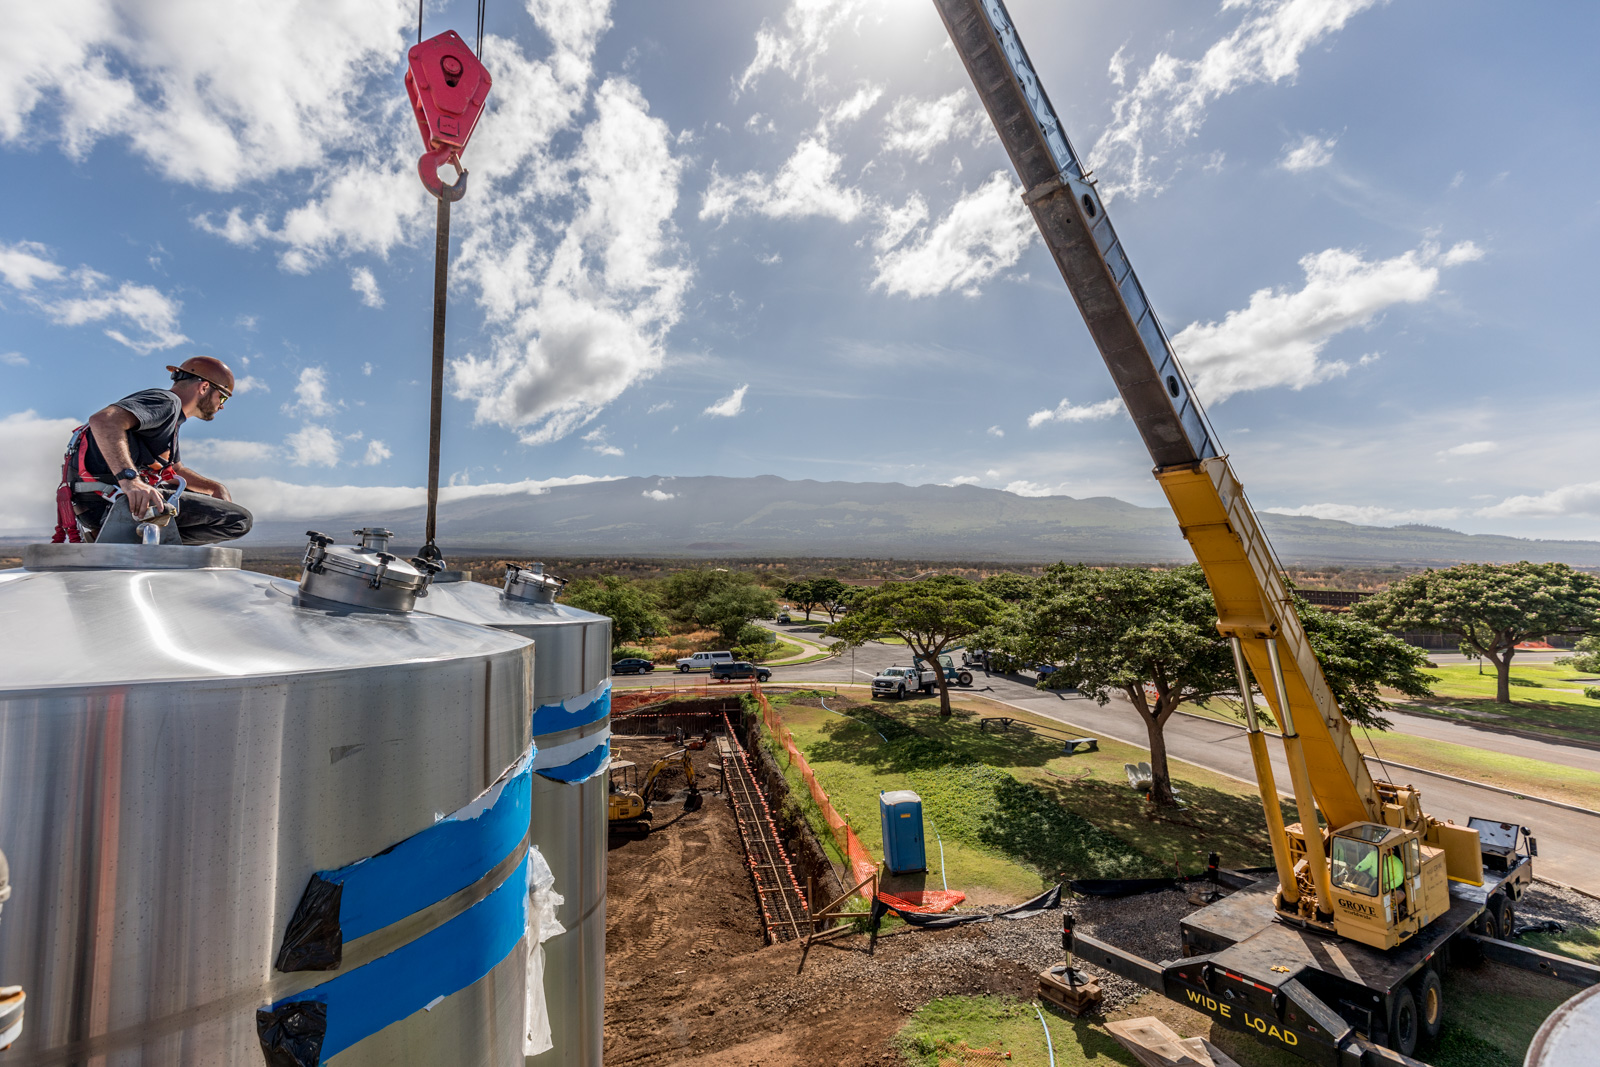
{"x": 1569, "y": 908}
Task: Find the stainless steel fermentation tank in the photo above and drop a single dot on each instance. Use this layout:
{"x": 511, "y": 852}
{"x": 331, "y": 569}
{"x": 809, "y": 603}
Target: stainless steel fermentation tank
{"x": 571, "y": 730}
{"x": 241, "y": 818}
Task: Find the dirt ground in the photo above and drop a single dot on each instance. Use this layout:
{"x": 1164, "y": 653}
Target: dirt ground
{"x": 690, "y": 978}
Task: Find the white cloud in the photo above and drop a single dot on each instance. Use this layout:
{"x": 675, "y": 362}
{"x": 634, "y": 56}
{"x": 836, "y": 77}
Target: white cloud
{"x": 1309, "y": 153}
{"x": 1166, "y": 105}
{"x": 311, "y": 395}
{"x": 1370, "y": 514}
{"x": 13, "y": 359}
{"x": 362, "y": 281}
{"x": 730, "y": 405}
{"x": 995, "y": 431}
{"x": 366, "y": 369}
{"x": 917, "y": 127}
{"x": 272, "y": 498}
{"x": 598, "y": 443}
{"x": 1024, "y": 488}
{"x": 656, "y": 494}
{"x": 802, "y": 39}
{"x": 1568, "y": 500}
{"x": 576, "y": 324}
{"x": 313, "y": 446}
{"x": 1278, "y": 339}
{"x": 229, "y": 454}
{"x": 806, "y": 185}
{"x": 1470, "y": 448}
{"x": 1066, "y": 411}
{"x": 249, "y": 384}
{"x": 32, "y": 447}
{"x": 663, "y": 406}
{"x": 209, "y": 94}
{"x": 984, "y": 233}
{"x": 854, "y": 106}
{"x": 84, "y": 295}
{"x": 27, "y": 262}
{"x": 965, "y": 479}
{"x": 377, "y": 452}
{"x": 898, "y": 222}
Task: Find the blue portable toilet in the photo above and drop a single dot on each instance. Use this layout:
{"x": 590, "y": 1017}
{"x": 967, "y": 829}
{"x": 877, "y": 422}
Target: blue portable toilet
{"x": 901, "y": 812}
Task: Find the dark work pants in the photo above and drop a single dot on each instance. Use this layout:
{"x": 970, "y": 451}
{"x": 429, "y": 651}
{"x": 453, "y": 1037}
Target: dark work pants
{"x": 202, "y": 520}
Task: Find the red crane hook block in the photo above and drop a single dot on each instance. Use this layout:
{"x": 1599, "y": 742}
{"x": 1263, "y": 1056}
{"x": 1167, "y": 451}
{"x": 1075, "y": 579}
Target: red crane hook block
{"x": 447, "y": 86}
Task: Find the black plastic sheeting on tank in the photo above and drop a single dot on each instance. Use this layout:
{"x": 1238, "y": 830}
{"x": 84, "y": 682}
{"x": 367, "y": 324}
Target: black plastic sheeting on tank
{"x": 313, "y": 941}
{"x": 292, "y": 1035}
{"x": 1049, "y": 900}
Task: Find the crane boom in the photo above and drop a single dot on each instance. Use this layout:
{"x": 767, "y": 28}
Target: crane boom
{"x": 1252, "y": 600}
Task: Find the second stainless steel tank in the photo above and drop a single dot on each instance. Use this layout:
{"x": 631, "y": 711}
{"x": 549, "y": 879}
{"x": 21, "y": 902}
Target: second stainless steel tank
{"x": 571, "y": 727}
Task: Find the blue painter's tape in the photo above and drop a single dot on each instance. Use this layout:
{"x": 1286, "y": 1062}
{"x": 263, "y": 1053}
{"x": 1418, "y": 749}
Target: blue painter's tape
{"x": 436, "y": 965}
{"x": 581, "y": 769}
{"x": 443, "y": 859}
{"x": 580, "y": 710}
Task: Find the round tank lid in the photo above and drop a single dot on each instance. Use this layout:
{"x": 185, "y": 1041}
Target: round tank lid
{"x": 1570, "y": 1034}
{"x": 93, "y": 557}
{"x": 530, "y": 582}
{"x": 364, "y": 575}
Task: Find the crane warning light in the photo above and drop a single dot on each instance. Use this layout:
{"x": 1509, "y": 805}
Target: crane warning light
{"x": 447, "y": 86}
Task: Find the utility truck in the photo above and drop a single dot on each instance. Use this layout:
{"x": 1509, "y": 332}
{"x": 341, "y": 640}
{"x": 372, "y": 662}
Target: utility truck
{"x": 1339, "y": 958}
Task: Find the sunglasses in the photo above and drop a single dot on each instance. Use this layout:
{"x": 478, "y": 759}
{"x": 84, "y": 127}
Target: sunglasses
{"x": 227, "y": 395}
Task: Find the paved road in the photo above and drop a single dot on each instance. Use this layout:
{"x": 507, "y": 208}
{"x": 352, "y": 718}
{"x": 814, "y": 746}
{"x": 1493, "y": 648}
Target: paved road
{"x": 1566, "y": 839}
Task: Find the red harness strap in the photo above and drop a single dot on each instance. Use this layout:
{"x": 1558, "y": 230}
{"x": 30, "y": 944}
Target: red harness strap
{"x": 75, "y": 478}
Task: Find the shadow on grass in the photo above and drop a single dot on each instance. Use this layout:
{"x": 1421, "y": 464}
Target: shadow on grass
{"x": 914, "y": 737}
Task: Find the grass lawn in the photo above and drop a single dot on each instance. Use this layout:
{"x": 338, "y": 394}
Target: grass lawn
{"x": 1546, "y": 704}
{"x": 1579, "y": 942}
{"x": 1530, "y": 777}
{"x": 1013, "y": 814}
{"x": 950, "y": 1029}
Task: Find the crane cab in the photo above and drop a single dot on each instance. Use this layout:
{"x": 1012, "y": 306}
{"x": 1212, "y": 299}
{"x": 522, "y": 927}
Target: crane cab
{"x": 1387, "y": 883}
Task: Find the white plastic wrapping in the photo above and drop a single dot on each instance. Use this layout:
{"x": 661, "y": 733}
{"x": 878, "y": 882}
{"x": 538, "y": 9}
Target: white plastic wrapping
{"x": 543, "y": 901}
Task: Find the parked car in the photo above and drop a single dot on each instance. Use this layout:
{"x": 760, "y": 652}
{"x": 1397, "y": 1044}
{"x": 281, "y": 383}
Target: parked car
{"x": 704, "y": 660}
{"x": 728, "y": 672}
{"x": 783, "y": 616}
{"x": 632, "y": 666}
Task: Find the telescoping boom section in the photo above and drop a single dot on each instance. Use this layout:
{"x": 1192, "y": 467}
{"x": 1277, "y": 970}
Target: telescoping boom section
{"x": 1338, "y": 878}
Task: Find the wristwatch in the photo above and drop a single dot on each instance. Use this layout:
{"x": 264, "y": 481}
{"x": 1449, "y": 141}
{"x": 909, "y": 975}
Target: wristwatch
{"x": 127, "y": 474}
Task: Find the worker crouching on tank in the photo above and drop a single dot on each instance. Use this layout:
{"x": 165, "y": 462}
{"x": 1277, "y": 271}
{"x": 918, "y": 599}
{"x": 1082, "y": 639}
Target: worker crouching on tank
{"x": 129, "y": 451}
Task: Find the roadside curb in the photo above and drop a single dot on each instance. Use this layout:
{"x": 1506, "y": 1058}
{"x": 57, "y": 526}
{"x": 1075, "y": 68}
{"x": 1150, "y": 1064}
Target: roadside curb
{"x": 1437, "y": 774}
{"x": 1568, "y": 888}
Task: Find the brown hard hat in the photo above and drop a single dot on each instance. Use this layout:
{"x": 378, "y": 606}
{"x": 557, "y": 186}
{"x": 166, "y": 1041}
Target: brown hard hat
{"x": 207, "y": 368}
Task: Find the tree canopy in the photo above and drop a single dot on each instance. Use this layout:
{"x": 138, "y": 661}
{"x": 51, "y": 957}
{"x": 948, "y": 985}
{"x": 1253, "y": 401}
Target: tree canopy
{"x": 717, "y": 599}
{"x": 928, "y": 614}
{"x": 632, "y": 610}
{"x": 1585, "y": 657}
{"x": 1491, "y": 607}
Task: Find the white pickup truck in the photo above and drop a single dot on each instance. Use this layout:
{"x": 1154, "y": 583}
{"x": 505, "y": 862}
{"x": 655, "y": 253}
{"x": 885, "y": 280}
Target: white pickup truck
{"x": 903, "y": 681}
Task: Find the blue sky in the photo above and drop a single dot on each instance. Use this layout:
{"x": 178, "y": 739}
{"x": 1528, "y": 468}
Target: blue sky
{"x": 780, "y": 237}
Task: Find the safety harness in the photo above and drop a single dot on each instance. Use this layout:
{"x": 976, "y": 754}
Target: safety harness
{"x": 75, "y": 478}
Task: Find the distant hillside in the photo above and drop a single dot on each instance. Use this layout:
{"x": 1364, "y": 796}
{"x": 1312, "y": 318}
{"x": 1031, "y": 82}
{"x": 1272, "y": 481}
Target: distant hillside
{"x": 771, "y": 516}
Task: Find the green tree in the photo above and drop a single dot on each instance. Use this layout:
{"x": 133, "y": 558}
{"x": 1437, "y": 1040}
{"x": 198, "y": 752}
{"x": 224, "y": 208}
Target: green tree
{"x": 754, "y": 643}
{"x": 801, "y": 594}
{"x": 1012, "y": 588}
{"x": 633, "y": 611}
{"x": 1586, "y": 656}
{"x": 1149, "y": 635}
{"x": 1491, "y": 607}
{"x": 928, "y": 614}
{"x": 715, "y": 598}
{"x": 829, "y": 593}
{"x": 1358, "y": 658}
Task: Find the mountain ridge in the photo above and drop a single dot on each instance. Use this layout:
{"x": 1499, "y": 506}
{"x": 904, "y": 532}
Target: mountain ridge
{"x": 773, "y": 516}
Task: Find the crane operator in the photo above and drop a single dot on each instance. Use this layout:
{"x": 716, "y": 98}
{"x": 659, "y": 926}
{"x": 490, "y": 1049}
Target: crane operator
{"x": 132, "y": 445}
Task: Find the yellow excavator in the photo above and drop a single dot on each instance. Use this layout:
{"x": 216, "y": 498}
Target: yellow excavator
{"x": 628, "y": 804}
{"x": 1342, "y": 955}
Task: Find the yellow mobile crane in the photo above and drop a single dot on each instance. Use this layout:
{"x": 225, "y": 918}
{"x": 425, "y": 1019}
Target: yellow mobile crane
{"x": 1344, "y": 951}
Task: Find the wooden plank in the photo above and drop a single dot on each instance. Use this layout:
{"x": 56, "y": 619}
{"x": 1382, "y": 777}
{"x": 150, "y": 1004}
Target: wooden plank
{"x": 1155, "y": 1044}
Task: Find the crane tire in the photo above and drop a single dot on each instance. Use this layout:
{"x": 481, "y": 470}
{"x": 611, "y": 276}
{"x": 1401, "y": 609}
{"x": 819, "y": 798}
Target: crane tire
{"x": 1430, "y": 1005}
{"x": 1405, "y": 1023}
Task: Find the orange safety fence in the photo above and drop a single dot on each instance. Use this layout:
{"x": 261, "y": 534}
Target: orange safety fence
{"x": 862, "y": 865}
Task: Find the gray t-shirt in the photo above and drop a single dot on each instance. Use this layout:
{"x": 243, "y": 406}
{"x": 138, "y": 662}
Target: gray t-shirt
{"x": 153, "y": 442}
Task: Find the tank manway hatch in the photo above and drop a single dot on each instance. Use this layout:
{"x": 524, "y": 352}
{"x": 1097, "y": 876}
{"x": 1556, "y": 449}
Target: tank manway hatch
{"x": 247, "y": 827}
{"x": 365, "y": 575}
{"x": 532, "y": 584}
